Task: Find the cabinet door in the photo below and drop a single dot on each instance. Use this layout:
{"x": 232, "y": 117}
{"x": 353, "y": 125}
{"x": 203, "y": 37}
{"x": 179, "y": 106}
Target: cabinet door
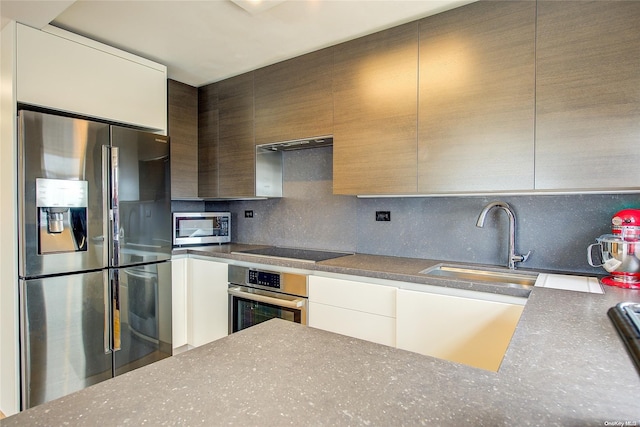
{"x": 464, "y": 330}
{"x": 351, "y": 308}
{"x": 236, "y": 147}
{"x": 588, "y": 95}
{"x": 179, "y": 302}
{"x": 183, "y": 130}
{"x": 69, "y": 73}
{"x": 208, "y": 140}
{"x": 375, "y": 113}
{"x": 208, "y": 301}
{"x": 294, "y": 98}
{"x": 476, "y": 99}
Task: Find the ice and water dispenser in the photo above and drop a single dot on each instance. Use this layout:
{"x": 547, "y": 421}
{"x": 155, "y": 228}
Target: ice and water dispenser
{"x": 62, "y": 215}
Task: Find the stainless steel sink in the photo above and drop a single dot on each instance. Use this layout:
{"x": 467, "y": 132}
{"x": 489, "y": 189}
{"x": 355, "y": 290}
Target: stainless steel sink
{"x": 495, "y": 275}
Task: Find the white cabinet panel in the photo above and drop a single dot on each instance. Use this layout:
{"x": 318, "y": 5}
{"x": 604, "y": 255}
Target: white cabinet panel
{"x": 356, "y": 309}
{"x": 357, "y": 324}
{"x": 376, "y": 299}
{"x": 90, "y": 79}
{"x": 208, "y": 305}
{"x": 469, "y": 331}
{"x": 179, "y": 301}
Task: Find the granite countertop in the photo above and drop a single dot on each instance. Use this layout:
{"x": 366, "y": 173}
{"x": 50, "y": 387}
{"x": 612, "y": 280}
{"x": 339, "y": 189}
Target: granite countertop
{"x": 565, "y": 366}
{"x": 281, "y": 373}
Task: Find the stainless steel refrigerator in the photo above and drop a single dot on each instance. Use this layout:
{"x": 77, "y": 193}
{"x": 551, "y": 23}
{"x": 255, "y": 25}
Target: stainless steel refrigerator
{"x": 94, "y": 249}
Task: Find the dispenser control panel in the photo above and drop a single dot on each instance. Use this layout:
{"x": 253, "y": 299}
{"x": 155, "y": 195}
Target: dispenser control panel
{"x": 61, "y": 193}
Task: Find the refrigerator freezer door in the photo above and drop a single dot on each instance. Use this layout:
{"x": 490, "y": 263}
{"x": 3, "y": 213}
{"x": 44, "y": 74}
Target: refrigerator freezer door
{"x": 64, "y": 331}
{"x": 145, "y": 315}
{"x": 61, "y": 211}
{"x": 144, "y": 199}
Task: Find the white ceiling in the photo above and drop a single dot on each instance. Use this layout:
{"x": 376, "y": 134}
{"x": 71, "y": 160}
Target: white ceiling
{"x": 209, "y": 40}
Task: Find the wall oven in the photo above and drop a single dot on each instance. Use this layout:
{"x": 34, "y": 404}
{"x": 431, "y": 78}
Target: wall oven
{"x": 257, "y": 295}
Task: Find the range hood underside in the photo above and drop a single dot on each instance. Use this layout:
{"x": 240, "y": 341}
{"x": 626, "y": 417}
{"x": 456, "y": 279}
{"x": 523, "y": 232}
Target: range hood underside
{"x": 299, "y": 144}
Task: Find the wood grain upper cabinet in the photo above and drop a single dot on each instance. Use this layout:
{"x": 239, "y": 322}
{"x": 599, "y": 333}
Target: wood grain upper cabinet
{"x": 236, "y": 147}
{"x": 294, "y": 98}
{"x": 476, "y": 102}
{"x": 208, "y": 140}
{"x": 183, "y": 130}
{"x": 375, "y": 113}
{"x": 588, "y": 95}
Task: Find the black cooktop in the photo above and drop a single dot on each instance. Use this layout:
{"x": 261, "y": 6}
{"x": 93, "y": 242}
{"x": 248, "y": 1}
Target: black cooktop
{"x": 307, "y": 255}
{"x": 626, "y": 318}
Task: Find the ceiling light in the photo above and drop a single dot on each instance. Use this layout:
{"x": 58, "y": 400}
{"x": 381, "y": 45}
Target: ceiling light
{"x": 257, "y": 6}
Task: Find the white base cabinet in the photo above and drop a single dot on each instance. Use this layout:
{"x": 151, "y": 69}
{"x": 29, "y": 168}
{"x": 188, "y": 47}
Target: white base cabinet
{"x": 179, "y": 302}
{"x": 208, "y": 304}
{"x": 200, "y": 304}
{"x": 465, "y": 330}
{"x": 461, "y": 329}
{"x": 356, "y": 309}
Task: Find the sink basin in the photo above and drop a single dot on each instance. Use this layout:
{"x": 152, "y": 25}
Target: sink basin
{"x": 495, "y": 275}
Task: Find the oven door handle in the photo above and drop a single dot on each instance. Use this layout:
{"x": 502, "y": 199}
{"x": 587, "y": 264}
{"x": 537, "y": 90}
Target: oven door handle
{"x": 295, "y": 303}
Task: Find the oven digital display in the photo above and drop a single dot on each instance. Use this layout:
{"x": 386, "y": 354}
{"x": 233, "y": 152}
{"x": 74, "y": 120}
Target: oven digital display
{"x": 263, "y": 278}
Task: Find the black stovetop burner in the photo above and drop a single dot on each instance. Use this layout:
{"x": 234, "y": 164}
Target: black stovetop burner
{"x": 307, "y": 255}
{"x": 626, "y": 318}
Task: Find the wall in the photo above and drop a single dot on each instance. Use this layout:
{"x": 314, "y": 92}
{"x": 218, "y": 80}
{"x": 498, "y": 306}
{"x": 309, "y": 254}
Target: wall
{"x": 9, "y": 383}
{"x": 556, "y": 228}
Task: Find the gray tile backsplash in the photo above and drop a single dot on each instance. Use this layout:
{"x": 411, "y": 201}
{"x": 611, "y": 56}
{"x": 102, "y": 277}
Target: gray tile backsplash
{"x": 556, "y": 228}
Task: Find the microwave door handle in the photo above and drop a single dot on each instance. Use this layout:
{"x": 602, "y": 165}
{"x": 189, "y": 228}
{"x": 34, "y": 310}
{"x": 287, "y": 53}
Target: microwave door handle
{"x": 295, "y": 304}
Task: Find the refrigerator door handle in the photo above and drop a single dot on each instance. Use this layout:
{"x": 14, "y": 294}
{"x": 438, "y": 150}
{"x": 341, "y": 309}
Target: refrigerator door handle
{"x": 115, "y": 305}
{"x": 106, "y": 204}
{"x": 115, "y": 211}
{"x": 107, "y": 316}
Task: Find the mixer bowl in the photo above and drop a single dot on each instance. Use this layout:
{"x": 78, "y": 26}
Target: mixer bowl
{"x": 617, "y": 255}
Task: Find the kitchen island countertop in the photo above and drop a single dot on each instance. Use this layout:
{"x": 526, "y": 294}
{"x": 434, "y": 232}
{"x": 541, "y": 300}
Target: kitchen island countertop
{"x": 280, "y": 373}
{"x": 565, "y": 366}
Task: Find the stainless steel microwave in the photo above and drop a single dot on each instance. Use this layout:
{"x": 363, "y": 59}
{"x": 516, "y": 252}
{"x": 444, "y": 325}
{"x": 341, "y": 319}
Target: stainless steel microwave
{"x": 201, "y": 228}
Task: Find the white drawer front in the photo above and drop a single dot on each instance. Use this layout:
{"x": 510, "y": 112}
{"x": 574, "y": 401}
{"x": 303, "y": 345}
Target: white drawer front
{"x": 375, "y": 299}
{"x": 357, "y": 324}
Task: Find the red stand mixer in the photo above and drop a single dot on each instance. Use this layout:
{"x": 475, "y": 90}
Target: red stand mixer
{"x": 619, "y": 252}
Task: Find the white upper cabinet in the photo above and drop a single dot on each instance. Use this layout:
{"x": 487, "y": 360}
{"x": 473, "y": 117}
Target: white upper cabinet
{"x": 65, "y": 72}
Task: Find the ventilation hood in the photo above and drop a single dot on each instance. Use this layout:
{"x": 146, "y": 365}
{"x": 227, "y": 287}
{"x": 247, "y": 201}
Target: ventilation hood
{"x": 269, "y": 162}
{"x": 299, "y": 144}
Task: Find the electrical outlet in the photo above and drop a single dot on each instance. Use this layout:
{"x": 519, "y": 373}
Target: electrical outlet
{"x": 248, "y": 214}
{"x": 383, "y": 215}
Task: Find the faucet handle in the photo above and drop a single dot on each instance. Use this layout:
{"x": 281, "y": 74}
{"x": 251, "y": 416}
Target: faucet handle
{"x": 522, "y": 258}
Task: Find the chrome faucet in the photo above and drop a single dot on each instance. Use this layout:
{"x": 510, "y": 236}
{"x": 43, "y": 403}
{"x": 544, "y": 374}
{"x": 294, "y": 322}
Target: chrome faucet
{"x": 513, "y": 258}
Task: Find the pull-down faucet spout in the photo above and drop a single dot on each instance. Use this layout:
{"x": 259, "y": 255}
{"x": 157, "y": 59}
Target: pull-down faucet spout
{"x": 513, "y": 258}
